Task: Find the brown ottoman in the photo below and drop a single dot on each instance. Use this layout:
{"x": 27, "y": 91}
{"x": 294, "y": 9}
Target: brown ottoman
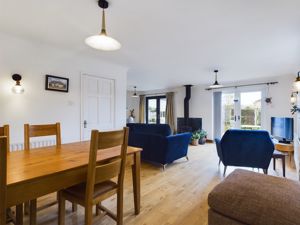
{"x": 246, "y": 197}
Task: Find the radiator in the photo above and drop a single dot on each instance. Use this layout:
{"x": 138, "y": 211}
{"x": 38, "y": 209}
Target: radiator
{"x": 34, "y": 144}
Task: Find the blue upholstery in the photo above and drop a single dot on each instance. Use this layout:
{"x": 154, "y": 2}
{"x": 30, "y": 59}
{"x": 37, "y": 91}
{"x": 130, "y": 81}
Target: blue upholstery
{"x": 158, "y": 143}
{"x": 245, "y": 148}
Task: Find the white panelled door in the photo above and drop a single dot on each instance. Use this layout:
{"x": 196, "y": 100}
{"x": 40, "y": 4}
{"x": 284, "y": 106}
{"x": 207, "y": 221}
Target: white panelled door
{"x": 97, "y": 104}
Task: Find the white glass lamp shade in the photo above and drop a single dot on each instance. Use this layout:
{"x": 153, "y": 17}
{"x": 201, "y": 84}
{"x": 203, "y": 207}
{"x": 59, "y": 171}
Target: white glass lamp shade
{"x": 293, "y": 99}
{"x": 135, "y": 95}
{"x": 216, "y": 85}
{"x": 297, "y": 85}
{"x": 103, "y": 42}
{"x": 18, "y": 89}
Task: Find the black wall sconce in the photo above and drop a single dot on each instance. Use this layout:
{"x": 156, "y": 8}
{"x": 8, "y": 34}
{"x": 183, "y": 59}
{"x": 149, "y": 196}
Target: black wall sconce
{"x": 17, "y": 88}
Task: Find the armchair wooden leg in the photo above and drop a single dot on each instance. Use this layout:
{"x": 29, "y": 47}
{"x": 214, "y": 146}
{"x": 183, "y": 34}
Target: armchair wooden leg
{"x": 187, "y": 158}
{"x": 265, "y": 171}
{"x": 19, "y": 214}
{"x": 32, "y": 212}
{"x": 225, "y": 168}
{"x": 61, "y": 209}
{"x": 274, "y": 164}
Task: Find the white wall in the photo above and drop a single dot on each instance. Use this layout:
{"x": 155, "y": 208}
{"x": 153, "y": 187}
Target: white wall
{"x": 33, "y": 60}
{"x": 201, "y": 103}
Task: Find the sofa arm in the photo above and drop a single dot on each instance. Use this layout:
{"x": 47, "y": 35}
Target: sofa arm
{"x": 177, "y": 146}
{"x": 253, "y": 198}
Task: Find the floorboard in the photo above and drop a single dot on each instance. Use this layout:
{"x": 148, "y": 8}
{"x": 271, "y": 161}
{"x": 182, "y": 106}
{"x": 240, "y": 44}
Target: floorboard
{"x": 175, "y": 196}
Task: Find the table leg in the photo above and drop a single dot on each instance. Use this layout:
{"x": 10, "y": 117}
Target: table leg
{"x": 32, "y": 212}
{"x": 136, "y": 179}
{"x": 283, "y": 166}
{"x": 3, "y": 208}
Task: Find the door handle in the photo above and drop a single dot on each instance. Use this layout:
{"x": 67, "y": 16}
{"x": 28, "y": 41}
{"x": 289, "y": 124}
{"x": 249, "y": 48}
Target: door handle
{"x": 239, "y": 118}
{"x": 234, "y": 118}
{"x": 84, "y": 124}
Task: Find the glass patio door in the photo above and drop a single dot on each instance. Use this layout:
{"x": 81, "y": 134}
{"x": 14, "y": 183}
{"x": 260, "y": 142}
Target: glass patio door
{"x": 241, "y": 110}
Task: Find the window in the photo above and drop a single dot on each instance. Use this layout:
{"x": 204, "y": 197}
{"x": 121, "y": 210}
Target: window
{"x": 156, "y": 110}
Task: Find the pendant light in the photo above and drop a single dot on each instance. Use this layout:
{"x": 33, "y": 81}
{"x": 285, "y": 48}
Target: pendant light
{"x": 102, "y": 41}
{"x": 216, "y": 84}
{"x": 134, "y": 94}
{"x": 297, "y": 82}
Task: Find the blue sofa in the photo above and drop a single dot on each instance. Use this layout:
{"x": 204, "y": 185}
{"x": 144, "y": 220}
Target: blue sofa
{"x": 245, "y": 148}
{"x": 158, "y": 143}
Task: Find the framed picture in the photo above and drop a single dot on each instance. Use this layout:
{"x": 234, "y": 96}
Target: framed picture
{"x": 54, "y": 83}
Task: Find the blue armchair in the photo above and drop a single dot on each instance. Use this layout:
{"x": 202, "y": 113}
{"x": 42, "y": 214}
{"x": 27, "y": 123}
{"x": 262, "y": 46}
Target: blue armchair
{"x": 245, "y": 148}
{"x": 158, "y": 143}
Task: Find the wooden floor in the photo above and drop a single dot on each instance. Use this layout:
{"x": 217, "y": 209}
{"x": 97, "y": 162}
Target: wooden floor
{"x": 175, "y": 196}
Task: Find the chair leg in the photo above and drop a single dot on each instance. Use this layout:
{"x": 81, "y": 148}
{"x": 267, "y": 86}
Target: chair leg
{"x": 265, "y": 171}
{"x": 74, "y": 207}
{"x": 88, "y": 214}
{"x": 187, "y": 158}
{"x": 98, "y": 209}
{"x": 32, "y": 212}
{"x": 219, "y": 162}
{"x": 225, "y": 168}
{"x": 274, "y": 164}
{"x": 120, "y": 207}
{"x": 61, "y": 209}
{"x": 19, "y": 214}
{"x": 283, "y": 166}
{"x": 164, "y": 167}
{"x": 26, "y": 208}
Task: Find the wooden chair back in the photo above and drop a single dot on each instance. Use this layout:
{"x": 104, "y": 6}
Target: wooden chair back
{"x": 4, "y": 131}
{"x": 40, "y": 131}
{"x": 3, "y": 178}
{"x": 115, "y": 167}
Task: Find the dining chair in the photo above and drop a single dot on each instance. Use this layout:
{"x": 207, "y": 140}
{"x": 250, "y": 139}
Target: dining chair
{"x": 4, "y": 131}
{"x": 6, "y": 214}
{"x": 99, "y": 185}
{"x": 31, "y": 131}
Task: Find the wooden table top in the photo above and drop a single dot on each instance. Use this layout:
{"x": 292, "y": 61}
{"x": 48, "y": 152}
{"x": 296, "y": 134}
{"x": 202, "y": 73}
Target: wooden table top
{"x": 39, "y": 162}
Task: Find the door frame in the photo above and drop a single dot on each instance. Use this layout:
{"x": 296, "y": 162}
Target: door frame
{"x": 237, "y": 95}
{"x": 82, "y": 75}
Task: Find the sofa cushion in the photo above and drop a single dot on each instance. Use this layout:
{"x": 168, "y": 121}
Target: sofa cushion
{"x": 159, "y": 129}
{"x": 257, "y": 199}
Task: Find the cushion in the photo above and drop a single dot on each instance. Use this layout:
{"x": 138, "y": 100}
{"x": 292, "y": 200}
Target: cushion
{"x": 159, "y": 129}
{"x": 101, "y": 188}
{"x": 257, "y": 199}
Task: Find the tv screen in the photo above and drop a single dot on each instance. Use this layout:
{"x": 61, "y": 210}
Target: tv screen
{"x": 282, "y": 128}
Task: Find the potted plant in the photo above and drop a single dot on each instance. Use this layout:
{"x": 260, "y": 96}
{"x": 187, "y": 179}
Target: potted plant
{"x": 195, "y": 138}
{"x": 202, "y": 137}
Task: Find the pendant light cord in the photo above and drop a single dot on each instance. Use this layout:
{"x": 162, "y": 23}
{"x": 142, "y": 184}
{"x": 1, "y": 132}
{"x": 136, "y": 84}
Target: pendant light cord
{"x": 103, "y": 29}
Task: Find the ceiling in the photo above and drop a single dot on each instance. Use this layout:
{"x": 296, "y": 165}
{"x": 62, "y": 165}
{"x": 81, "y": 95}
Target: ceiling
{"x": 168, "y": 43}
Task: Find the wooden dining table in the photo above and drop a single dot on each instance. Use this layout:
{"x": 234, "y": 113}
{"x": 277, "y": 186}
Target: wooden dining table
{"x": 35, "y": 173}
